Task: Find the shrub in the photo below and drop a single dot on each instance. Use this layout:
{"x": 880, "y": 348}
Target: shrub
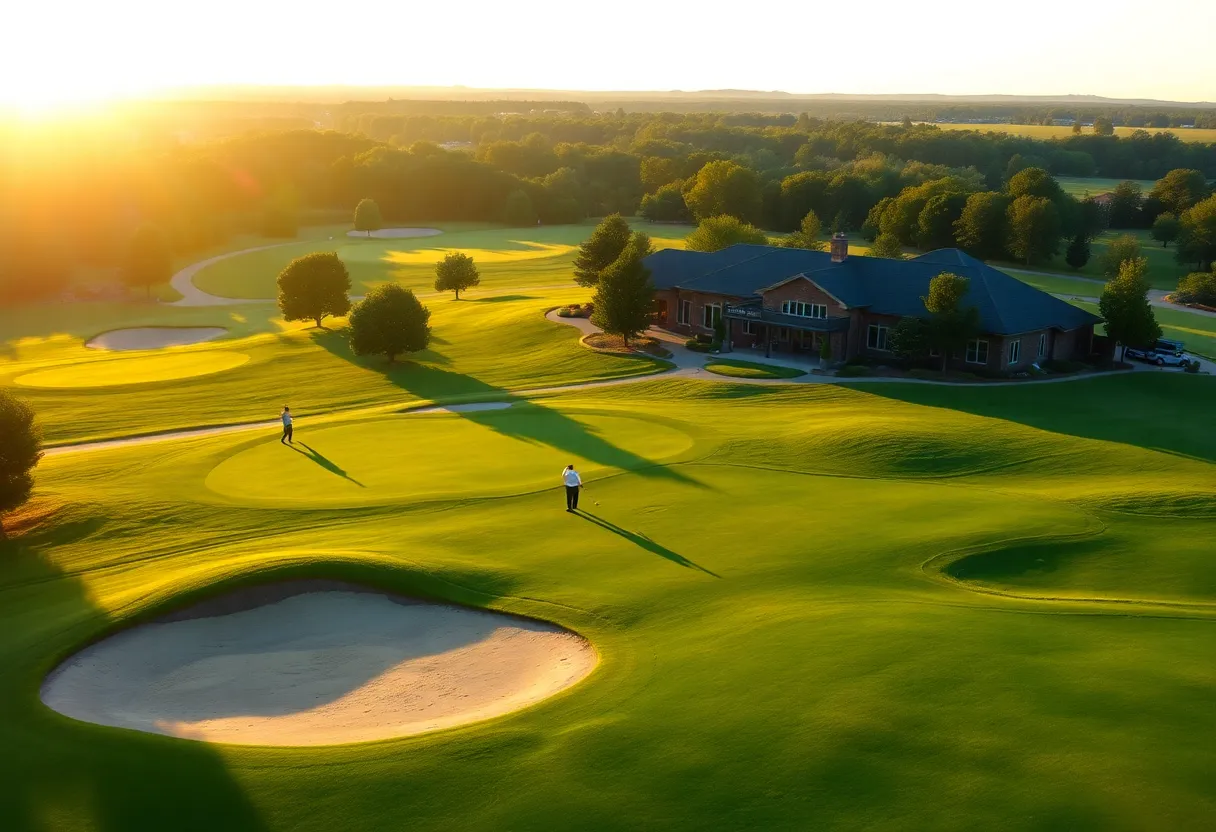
{"x": 1199, "y": 287}
{"x": 697, "y": 346}
{"x": 854, "y": 371}
{"x": 1191, "y": 367}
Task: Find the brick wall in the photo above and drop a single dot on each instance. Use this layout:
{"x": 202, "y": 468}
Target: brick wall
{"x": 805, "y": 291}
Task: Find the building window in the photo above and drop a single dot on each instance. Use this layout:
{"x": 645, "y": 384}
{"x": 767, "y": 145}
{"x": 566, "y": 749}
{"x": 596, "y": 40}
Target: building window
{"x": 749, "y": 328}
{"x": 977, "y": 352}
{"x": 876, "y": 337}
{"x": 711, "y": 313}
{"x": 684, "y": 312}
{"x": 1042, "y": 344}
{"x": 1015, "y": 351}
{"x": 804, "y": 310}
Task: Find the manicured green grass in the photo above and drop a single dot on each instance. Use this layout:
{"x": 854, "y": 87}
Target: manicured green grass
{"x": 482, "y": 348}
{"x": 892, "y": 607}
{"x": 1163, "y": 270}
{"x": 506, "y": 258}
{"x": 1198, "y": 332}
{"x": 1083, "y": 186}
{"x": 1058, "y": 285}
{"x": 750, "y": 369}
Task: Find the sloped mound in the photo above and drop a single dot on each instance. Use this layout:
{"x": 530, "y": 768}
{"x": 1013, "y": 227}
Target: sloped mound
{"x": 134, "y": 370}
{"x": 316, "y": 663}
{"x": 154, "y": 337}
{"x": 1158, "y": 503}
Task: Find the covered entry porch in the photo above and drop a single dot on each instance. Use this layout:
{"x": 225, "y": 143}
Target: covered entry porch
{"x": 752, "y": 329}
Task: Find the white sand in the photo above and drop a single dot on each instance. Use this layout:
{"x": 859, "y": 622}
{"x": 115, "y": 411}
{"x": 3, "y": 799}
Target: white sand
{"x": 154, "y": 337}
{"x": 318, "y": 668}
{"x": 464, "y": 408}
{"x": 396, "y": 233}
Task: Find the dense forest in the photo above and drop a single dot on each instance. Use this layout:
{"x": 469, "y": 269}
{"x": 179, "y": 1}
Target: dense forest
{"x": 77, "y": 197}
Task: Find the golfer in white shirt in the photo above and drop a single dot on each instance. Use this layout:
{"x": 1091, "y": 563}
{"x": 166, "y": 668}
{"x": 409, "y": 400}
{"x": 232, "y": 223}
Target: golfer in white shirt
{"x": 573, "y": 483}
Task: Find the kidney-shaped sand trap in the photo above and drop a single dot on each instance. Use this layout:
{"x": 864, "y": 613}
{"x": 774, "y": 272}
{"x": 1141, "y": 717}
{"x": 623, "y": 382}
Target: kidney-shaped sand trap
{"x": 141, "y": 370}
{"x": 316, "y": 663}
{"x": 153, "y": 337}
{"x": 396, "y": 233}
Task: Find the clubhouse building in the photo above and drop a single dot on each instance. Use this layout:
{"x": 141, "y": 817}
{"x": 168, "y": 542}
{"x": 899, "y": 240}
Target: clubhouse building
{"x": 788, "y": 300}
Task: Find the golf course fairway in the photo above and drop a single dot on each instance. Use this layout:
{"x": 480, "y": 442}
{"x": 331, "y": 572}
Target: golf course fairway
{"x": 134, "y": 370}
{"x": 886, "y": 606}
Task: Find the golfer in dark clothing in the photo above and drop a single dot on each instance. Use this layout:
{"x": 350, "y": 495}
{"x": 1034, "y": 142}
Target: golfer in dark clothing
{"x": 573, "y": 483}
{"x": 286, "y": 416}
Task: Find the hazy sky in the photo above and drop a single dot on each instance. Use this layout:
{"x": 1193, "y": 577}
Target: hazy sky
{"x": 86, "y": 49}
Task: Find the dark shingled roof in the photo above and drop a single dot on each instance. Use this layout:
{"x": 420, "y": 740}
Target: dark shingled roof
{"x": 1007, "y": 306}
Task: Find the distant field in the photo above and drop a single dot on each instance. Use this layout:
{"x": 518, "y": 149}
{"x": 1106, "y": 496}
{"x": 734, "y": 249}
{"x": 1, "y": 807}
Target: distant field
{"x": 1081, "y": 186}
{"x": 1041, "y": 131}
{"x": 1163, "y": 270}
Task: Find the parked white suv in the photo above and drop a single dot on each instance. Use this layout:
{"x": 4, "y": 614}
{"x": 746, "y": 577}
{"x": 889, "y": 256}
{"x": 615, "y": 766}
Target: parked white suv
{"x": 1164, "y": 353}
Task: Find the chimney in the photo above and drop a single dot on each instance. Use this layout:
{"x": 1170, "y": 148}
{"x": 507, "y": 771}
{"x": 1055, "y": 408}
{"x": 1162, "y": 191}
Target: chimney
{"x": 840, "y": 247}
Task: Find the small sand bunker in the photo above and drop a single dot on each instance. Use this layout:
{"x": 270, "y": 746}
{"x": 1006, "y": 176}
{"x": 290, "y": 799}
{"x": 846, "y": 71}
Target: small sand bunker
{"x": 464, "y": 408}
{"x": 154, "y": 337}
{"x": 396, "y": 233}
{"x": 316, "y": 663}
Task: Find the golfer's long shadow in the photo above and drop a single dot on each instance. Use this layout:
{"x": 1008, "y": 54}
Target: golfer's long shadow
{"x": 644, "y": 542}
{"x": 543, "y": 425}
{"x": 71, "y": 774}
{"x": 324, "y": 462}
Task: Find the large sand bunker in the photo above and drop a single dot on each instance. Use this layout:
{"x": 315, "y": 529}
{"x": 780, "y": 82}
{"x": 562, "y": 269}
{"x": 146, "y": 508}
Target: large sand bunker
{"x": 396, "y": 233}
{"x": 154, "y": 337}
{"x": 316, "y": 663}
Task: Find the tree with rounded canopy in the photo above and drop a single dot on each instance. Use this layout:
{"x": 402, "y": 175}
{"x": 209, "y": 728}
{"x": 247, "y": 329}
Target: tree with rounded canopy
{"x": 601, "y": 249}
{"x": 518, "y": 211}
{"x": 1118, "y": 251}
{"x": 367, "y": 216}
{"x": 1077, "y": 254}
{"x": 952, "y": 323}
{"x": 148, "y": 261}
{"x": 389, "y": 321}
{"x": 983, "y": 227}
{"x": 1034, "y": 182}
{"x": 665, "y": 205}
{"x": 1179, "y": 190}
{"x": 910, "y": 339}
{"x": 807, "y": 235}
{"x": 455, "y": 273}
{"x": 1166, "y": 229}
{"x": 1126, "y": 202}
{"x": 886, "y": 245}
{"x": 1125, "y": 306}
{"x": 1103, "y": 126}
{"x": 314, "y": 286}
{"x": 717, "y": 233}
{"x": 725, "y": 188}
{"x": 20, "y": 450}
{"x": 1197, "y": 235}
{"x": 624, "y": 296}
{"x": 1198, "y": 287}
{"x": 935, "y": 225}
{"x": 1034, "y": 228}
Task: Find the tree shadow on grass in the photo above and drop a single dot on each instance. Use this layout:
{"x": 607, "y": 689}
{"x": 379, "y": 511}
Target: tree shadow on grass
{"x": 324, "y": 462}
{"x": 62, "y": 773}
{"x": 642, "y": 541}
{"x": 542, "y": 425}
{"x": 501, "y": 299}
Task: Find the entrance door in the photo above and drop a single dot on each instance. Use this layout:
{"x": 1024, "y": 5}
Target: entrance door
{"x": 660, "y": 312}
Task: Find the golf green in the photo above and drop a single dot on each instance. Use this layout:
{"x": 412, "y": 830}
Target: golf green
{"x": 134, "y": 370}
{"x": 432, "y": 456}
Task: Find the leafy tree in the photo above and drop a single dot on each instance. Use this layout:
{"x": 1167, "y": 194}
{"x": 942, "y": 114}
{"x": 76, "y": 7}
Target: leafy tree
{"x": 1118, "y": 251}
{"x": 148, "y": 260}
{"x": 1034, "y": 229}
{"x": 872, "y": 227}
{"x": 388, "y": 322}
{"x": 1180, "y": 189}
{"x": 1077, "y": 254}
{"x": 1034, "y": 182}
{"x": 886, "y": 245}
{"x": 935, "y": 225}
{"x": 518, "y": 211}
{"x": 367, "y": 216}
{"x": 601, "y": 249}
{"x": 1126, "y": 204}
{"x": 716, "y": 233}
{"x": 657, "y": 171}
{"x": 20, "y": 450}
{"x": 807, "y": 235}
{"x": 910, "y": 339}
{"x": 455, "y": 273}
{"x": 665, "y": 205}
{"x": 314, "y": 286}
{"x": 952, "y": 323}
{"x": 1103, "y": 126}
{"x": 724, "y": 188}
{"x": 1198, "y": 287}
{"x": 1197, "y": 234}
{"x": 983, "y": 227}
{"x": 1076, "y": 127}
{"x": 1166, "y": 229}
{"x": 624, "y": 296}
{"x": 1125, "y": 306}
{"x": 1093, "y": 218}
